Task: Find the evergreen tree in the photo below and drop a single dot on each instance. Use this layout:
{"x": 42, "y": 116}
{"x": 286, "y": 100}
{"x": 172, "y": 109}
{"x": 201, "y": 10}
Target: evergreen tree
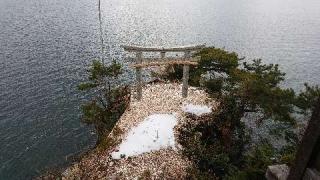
{"x": 110, "y": 99}
{"x": 220, "y": 143}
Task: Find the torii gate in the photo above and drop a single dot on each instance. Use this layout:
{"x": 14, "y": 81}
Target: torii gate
{"x": 141, "y": 62}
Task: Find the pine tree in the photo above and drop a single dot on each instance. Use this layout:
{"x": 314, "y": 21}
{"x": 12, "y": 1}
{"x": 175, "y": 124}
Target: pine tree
{"x": 220, "y": 144}
{"x": 110, "y": 100}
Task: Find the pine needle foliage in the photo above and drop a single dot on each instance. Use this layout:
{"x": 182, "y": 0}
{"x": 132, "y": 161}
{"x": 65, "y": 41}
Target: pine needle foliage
{"x": 220, "y": 144}
{"x": 110, "y": 100}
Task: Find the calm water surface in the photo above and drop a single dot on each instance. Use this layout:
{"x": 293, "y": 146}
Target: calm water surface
{"x": 45, "y": 46}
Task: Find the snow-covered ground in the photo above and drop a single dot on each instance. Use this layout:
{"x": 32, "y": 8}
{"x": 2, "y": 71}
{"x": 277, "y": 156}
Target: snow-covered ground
{"x": 197, "y": 110}
{"x": 154, "y": 133}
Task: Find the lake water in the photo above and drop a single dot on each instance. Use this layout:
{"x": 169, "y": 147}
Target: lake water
{"x": 45, "y": 46}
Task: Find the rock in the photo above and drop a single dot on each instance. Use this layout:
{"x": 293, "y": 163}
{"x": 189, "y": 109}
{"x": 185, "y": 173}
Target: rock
{"x": 111, "y": 163}
{"x": 277, "y": 172}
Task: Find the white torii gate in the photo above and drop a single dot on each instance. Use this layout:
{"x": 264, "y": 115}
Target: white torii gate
{"x": 141, "y": 62}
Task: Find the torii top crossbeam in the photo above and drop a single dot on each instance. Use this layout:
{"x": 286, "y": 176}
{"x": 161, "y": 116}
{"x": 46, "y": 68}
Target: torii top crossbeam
{"x": 162, "y": 49}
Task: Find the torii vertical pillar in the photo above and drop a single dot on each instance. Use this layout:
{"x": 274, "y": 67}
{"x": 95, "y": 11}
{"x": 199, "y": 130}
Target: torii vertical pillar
{"x": 139, "y": 75}
{"x": 185, "y": 77}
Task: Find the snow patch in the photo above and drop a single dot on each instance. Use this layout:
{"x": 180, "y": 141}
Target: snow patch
{"x": 197, "y": 110}
{"x": 154, "y": 133}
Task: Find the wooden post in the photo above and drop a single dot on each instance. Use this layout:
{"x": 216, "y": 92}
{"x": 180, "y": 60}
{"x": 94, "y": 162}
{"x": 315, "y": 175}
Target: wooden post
{"x": 317, "y": 162}
{"x": 139, "y": 76}
{"x": 306, "y": 150}
{"x": 314, "y": 161}
{"x": 185, "y": 77}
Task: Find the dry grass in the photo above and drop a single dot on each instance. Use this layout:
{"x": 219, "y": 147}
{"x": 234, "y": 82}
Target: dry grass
{"x": 162, "y": 164}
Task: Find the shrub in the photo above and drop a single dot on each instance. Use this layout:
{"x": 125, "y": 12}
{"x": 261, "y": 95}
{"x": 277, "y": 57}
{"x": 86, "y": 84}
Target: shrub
{"x": 110, "y": 101}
